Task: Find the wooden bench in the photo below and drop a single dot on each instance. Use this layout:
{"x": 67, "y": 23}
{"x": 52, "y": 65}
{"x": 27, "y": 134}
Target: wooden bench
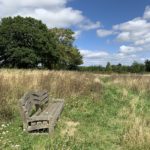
{"x": 38, "y": 113}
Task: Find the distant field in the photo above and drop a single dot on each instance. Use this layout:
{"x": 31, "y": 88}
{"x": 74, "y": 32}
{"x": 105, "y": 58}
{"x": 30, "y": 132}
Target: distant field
{"x": 102, "y": 112}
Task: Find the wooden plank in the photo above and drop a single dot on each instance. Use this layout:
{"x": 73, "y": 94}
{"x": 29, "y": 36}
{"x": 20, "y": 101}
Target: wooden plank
{"x": 37, "y": 127}
{"x": 39, "y": 118}
{"x": 55, "y": 117}
{"x": 39, "y": 93}
{"x": 49, "y": 110}
{"x": 41, "y": 101}
{"x": 44, "y": 98}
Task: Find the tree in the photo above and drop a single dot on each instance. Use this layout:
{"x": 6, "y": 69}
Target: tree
{"x": 137, "y": 67}
{"x": 108, "y": 67}
{"x": 69, "y": 56}
{"x": 147, "y": 65}
{"x": 25, "y": 43}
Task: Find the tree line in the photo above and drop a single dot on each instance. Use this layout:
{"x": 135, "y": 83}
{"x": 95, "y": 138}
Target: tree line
{"x": 119, "y": 68}
{"x": 28, "y": 43}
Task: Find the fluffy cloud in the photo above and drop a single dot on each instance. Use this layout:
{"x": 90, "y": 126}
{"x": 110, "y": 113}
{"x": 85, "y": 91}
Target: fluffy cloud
{"x": 102, "y": 57}
{"x": 147, "y": 13}
{"x": 55, "y": 19}
{"x": 33, "y": 3}
{"x": 77, "y": 34}
{"x": 54, "y": 13}
{"x": 93, "y": 54}
{"x": 94, "y": 57}
{"x": 88, "y": 25}
{"x": 135, "y": 36}
{"x": 129, "y": 49}
{"x": 135, "y": 33}
{"x": 103, "y": 33}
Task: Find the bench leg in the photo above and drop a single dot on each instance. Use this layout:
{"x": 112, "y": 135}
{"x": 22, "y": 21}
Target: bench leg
{"x": 51, "y": 128}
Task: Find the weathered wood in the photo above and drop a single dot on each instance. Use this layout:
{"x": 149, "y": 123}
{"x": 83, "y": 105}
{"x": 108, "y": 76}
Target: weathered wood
{"x": 43, "y": 117}
{"x": 55, "y": 115}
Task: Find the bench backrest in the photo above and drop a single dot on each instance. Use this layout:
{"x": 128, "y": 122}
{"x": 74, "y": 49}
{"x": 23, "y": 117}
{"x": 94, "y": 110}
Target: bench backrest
{"x": 32, "y": 100}
{"x": 40, "y": 98}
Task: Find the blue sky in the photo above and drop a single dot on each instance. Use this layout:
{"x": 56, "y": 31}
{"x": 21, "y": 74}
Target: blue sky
{"x": 117, "y": 31}
{"x": 109, "y": 13}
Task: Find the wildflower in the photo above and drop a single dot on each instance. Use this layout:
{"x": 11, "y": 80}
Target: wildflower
{"x": 17, "y": 145}
{"x": 3, "y": 125}
{"x": 3, "y": 133}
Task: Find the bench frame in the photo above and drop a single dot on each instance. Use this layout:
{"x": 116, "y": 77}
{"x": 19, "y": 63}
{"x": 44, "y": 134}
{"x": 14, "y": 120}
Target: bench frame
{"x": 45, "y": 113}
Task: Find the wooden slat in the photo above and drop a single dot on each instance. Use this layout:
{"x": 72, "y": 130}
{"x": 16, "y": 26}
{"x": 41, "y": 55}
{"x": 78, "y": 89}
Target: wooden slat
{"x": 49, "y": 109}
{"x": 39, "y": 118}
{"x": 40, "y": 98}
{"x": 55, "y": 116}
{"x": 37, "y": 127}
{"x": 39, "y": 94}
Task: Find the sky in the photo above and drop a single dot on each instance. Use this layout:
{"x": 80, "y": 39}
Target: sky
{"x": 115, "y": 31}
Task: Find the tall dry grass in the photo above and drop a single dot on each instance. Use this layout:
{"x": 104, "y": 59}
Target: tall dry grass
{"x": 138, "y": 83}
{"x": 60, "y": 84}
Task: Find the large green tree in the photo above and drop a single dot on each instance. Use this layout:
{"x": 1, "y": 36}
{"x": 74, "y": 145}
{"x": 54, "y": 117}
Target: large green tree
{"x": 27, "y": 42}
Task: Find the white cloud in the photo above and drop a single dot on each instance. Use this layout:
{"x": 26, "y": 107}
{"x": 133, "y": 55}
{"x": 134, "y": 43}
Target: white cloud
{"x": 135, "y": 33}
{"x": 104, "y": 33}
{"x": 124, "y": 36}
{"x": 10, "y": 7}
{"x": 88, "y": 25}
{"x": 55, "y": 19}
{"x": 95, "y": 57}
{"x": 54, "y": 13}
{"x": 135, "y": 36}
{"x": 38, "y": 3}
{"x": 77, "y": 34}
{"x": 147, "y": 13}
{"x": 129, "y": 49}
{"x": 102, "y": 57}
{"x": 93, "y": 54}
{"x": 132, "y": 25}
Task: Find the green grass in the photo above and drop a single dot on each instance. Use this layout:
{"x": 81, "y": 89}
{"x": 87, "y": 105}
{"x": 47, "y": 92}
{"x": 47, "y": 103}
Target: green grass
{"x": 108, "y": 123}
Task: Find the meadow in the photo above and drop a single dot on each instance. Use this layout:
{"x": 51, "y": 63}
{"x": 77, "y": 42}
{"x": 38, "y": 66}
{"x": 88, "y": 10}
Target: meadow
{"x": 102, "y": 112}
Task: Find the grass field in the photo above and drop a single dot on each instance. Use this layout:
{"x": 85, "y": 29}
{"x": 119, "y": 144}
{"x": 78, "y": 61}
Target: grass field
{"x": 100, "y": 113}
